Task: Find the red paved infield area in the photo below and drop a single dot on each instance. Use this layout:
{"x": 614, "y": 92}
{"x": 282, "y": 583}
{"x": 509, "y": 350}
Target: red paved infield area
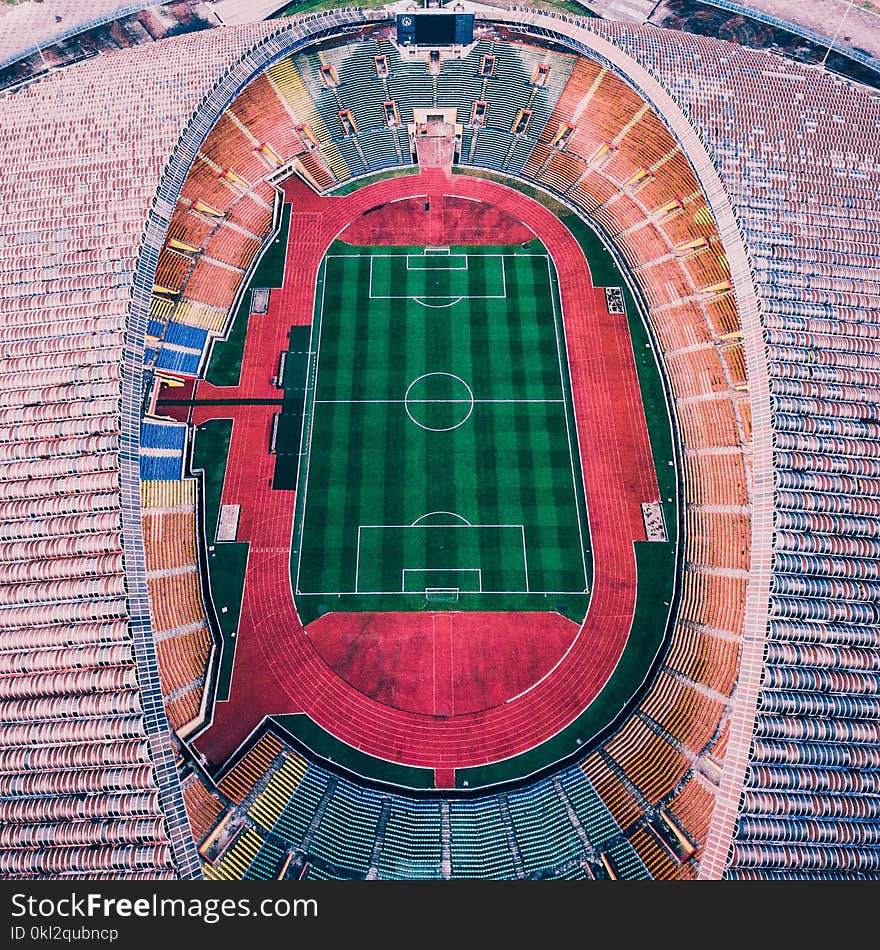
{"x": 444, "y": 664}
{"x": 444, "y": 690}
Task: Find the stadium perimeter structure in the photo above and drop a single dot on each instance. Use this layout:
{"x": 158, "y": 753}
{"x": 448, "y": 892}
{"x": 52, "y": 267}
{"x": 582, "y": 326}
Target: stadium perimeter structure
{"x": 741, "y": 192}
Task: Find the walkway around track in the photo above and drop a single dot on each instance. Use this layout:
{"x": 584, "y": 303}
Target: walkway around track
{"x": 277, "y": 669}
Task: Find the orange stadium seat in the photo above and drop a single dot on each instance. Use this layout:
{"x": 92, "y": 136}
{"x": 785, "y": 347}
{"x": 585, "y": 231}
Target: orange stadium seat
{"x": 711, "y": 659}
{"x": 620, "y": 802}
{"x": 202, "y": 806}
{"x": 657, "y": 859}
{"x": 239, "y": 782}
{"x": 652, "y": 765}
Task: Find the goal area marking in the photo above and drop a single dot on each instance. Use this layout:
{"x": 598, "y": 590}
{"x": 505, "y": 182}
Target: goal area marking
{"x": 467, "y": 578}
{"x": 418, "y": 588}
{"x": 440, "y": 261}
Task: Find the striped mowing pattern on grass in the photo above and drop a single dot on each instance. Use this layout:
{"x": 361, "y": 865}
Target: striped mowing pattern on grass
{"x": 439, "y": 438}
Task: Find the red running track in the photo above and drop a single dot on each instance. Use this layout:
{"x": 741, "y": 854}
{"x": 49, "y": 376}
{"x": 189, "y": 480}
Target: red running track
{"x": 444, "y": 663}
{"x": 277, "y": 668}
{"x": 448, "y": 221}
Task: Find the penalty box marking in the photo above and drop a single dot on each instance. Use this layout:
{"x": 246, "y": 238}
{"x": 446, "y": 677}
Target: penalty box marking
{"x": 422, "y": 527}
{"x": 441, "y": 570}
{"x": 422, "y": 259}
{"x": 423, "y": 297}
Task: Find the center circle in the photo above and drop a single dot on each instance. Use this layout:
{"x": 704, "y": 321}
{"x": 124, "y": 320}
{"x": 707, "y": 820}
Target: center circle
{"x": 438, "y": 402}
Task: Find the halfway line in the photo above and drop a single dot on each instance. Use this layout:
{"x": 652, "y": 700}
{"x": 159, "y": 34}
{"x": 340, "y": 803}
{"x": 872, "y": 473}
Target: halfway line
{"x": 331, "y": 402}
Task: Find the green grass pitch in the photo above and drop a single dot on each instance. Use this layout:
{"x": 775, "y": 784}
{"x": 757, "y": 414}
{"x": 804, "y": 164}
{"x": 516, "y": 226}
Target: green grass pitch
{"x": 440, "y": 462}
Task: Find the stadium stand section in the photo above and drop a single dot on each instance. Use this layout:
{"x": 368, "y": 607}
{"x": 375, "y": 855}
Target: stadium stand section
{"x": 180, "y": 624}
{"x": 741, "y": 192}
{"x": 37, "y": 37}
{"x": 837, "y": 41}
{"x": 89, "y": 767}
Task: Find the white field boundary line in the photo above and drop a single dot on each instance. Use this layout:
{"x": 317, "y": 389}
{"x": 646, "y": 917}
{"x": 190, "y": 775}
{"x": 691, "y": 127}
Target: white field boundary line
{"x": 397, "y": 593}
{"x": 307, "y": 453}
{"x": 557, "y": 319}
{"x": 347, "y": 257}
{"x": 488, "y": 402}
{"x": 448, "y": 526}
{"x": 322, "y": 277}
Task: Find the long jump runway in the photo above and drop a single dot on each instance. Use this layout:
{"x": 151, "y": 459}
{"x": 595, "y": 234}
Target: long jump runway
{"x": 278, "y": 667}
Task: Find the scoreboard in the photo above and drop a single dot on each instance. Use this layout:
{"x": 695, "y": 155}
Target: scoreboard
{"x": 435, "y": 29}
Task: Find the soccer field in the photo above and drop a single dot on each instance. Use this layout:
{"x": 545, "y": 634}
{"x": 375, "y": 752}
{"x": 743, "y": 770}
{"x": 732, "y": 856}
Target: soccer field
{"x": 440, "y": 468}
